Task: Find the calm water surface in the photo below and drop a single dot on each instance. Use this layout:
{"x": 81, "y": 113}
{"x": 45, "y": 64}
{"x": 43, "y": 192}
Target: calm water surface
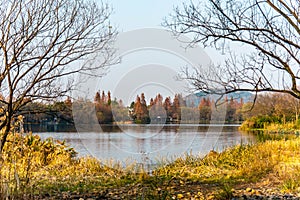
{"x": 150, "y": 143}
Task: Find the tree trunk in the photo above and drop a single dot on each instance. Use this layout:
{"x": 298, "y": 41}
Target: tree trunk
{"x": 6, "y": 128}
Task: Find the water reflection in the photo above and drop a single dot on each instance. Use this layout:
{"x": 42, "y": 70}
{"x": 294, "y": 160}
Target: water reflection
{"x": 147, "y": 143}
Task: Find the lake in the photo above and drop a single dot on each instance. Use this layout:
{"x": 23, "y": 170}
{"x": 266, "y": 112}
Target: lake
{"x": 148, "y": 144}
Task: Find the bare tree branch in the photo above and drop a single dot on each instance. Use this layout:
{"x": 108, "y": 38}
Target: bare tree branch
{"x": 42, "y": 43}
{"x": 271, "y": 30}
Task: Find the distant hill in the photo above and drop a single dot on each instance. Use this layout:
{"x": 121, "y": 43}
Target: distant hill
{"x": 194, "y": 99}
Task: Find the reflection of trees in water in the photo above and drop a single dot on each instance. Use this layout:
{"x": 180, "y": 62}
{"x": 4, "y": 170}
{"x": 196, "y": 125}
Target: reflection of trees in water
{"x": 36, "y": 128}
{"x": 167, "y": 128}
{"x": 203, "y": 128}
{"x": 110, "y": 128}
{"x": 114, "y": 128}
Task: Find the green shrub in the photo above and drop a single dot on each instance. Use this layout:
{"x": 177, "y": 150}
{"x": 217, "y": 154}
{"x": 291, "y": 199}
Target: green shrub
{"x": 259, "y": 122}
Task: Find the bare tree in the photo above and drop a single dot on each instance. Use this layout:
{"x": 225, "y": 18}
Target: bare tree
{"x": 269, "y": 29}
{"x": 42, "y": 42}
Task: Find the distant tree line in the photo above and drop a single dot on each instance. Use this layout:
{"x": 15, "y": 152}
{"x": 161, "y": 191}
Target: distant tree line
{"x": 60, "y": 112}
{"x": 159, "y": 110}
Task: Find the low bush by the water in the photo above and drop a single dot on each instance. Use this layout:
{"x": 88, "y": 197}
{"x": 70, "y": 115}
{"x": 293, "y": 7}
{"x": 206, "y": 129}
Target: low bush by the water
{"x": 271, "y": 125}
{"x": 259, "y": 122}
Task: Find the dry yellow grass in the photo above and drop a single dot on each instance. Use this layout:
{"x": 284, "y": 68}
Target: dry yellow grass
{"x": 35, "y": 167}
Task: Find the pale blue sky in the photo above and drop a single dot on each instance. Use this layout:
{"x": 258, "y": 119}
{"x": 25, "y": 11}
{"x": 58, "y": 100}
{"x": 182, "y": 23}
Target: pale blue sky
{"x": 134, "y": 14}
{"x": 140, "y": 14}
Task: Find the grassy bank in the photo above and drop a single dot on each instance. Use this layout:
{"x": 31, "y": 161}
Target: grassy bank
{"x": 48, "y": 169}
{"x": 271, "y": 125}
